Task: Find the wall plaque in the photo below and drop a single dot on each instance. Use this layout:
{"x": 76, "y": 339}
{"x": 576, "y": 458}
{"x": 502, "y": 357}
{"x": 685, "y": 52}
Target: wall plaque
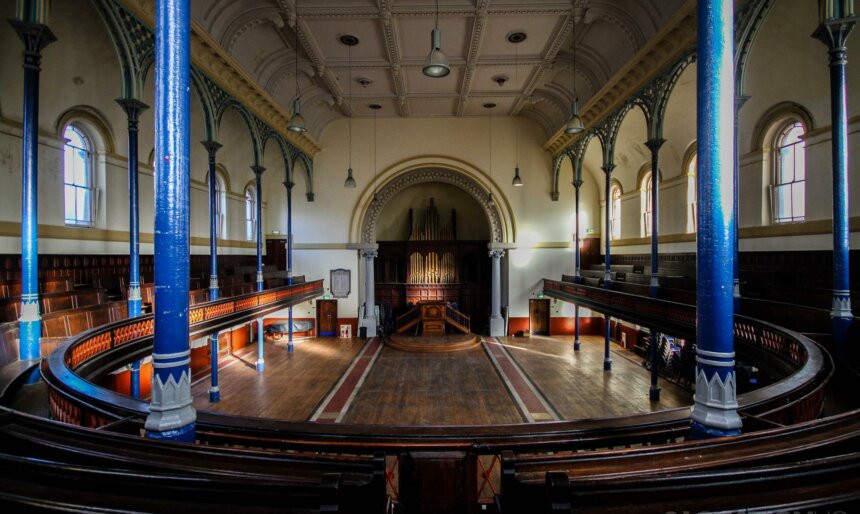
{"x": 340, "y": 283}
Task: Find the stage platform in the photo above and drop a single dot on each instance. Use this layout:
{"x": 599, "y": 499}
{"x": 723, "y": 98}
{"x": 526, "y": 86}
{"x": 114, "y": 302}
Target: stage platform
{"x": 433, "y": 344}
{"x": 496, "y": 381}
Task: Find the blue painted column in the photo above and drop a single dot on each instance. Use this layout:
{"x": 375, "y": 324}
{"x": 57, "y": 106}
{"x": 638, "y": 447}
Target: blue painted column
{"x": 834, "y": 33}
{"x": 740, "y": 100}
{"x": 577, "y": 184}
{"x": 289, "y": 185}
{"x": 607, "y": 277}
{"x": 171, "y": 413}
{"x": 35, "y": 37}
{"x": 654, "y": 145}
{"x": 258, "y": 178}
{"x": 133, "y": 108}
{"x": 714, "y": 412}
{"x": 212, "y": 148}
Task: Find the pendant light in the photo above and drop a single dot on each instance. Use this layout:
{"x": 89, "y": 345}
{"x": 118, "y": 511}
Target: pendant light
{"x": 574, "y": 124}
{"x": 297, "y": 121}
{"x": 375, "y": 108}
{"x": 516, "y": 38}
{"x": 489, "y": 107}
{"x": 350, "y": 41}
{"x": 436, "y": 64}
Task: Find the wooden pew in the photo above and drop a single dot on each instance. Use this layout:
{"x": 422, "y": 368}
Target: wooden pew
{"x": 10, "y": 308}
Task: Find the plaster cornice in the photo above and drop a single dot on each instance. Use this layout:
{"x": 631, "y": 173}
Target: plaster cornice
{"x": 218, "y": 65}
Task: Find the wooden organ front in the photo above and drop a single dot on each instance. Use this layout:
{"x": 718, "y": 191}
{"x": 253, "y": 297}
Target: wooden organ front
{"x": 432, "y": 265}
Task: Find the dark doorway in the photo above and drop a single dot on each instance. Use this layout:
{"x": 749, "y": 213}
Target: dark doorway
{"x": 539, "y": 316}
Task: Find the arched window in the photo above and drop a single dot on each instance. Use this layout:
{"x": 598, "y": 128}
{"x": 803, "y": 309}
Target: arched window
{"x": 78, "y": 177}
{"x": 647, "y": 205}
{"x": 615, "y": 212}
{"x": 250, "y": 212}
{"x": 692, "y": 169}
{"x": 220, "y": 205}
{"x": 789, "y": 178}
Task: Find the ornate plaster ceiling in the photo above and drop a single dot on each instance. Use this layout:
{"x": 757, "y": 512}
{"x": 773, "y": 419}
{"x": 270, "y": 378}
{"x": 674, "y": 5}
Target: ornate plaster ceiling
{"x": 395, "y": 39}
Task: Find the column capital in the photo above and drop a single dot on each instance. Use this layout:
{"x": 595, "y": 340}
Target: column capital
{"x": 211, "y": 147}
{"x": 289, "y": 184}
{"x": 607, "y": 168}
{"x": 496, "y": 254}
{"x": 655, "y": 144}
{"x": 834, "y": 34}
{"x": 740, "y": 101}
{"x": 258, "y": 170}
{"x": 133, "y": 109}
{"x": 35, "y": 37}
{"x": 577, "y": 183}
{"x": 370, "y": 254}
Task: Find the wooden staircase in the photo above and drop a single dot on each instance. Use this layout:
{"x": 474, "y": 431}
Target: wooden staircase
{"x": 432, "y": 318}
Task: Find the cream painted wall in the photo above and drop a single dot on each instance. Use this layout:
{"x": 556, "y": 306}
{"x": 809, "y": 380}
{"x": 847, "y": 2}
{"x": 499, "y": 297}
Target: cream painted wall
{"x": 472, "y": 222}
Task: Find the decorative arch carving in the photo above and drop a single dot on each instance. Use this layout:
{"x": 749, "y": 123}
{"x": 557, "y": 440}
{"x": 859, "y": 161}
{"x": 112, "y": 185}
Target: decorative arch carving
{"x": 431, "y": 174}
{"x": 94, "y": 120}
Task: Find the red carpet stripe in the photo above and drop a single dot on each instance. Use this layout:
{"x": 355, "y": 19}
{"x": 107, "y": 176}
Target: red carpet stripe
{"x": 531, "y": 404}
{"x": 337, "y": 403}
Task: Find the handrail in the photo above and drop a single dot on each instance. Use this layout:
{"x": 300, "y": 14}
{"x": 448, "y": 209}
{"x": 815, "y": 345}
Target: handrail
{"x": 812, "y": 367}
{"x": 82, "y": 358}
{"x": 407, "y": 318}
{"x": 799, "y": 393}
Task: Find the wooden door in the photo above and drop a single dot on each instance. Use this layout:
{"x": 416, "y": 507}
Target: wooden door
{"x": 276, "y": 253}
{"x": 539, "y": 316}
{"x": 327, "y": 317}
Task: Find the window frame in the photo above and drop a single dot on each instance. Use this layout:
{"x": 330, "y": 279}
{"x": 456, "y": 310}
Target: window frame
{"x": 88, "y": 189}
{"x": 692, "y": 194}
{"x": 786, "y": 128}
{"x": 615, "y": 211}
{"x": 250, "y": 212}
{"x": 646, "y": 205}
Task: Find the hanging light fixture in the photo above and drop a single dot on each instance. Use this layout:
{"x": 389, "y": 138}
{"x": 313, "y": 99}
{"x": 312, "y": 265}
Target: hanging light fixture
{"x": 574, "y": 124}
{"x": 436, "y": 64}
{"x": 297, "y": 121}
{"x": 350, "y": 41}
{"x": 489, "y": 107}
{"x": 516, "y": 38}
{"x": 375, "y": 108}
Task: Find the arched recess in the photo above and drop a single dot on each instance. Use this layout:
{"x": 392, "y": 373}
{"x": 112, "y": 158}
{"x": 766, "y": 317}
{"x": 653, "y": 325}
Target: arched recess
{"x": 250, "y": 123}
{"x": 92, "y": 118}
{"x": 450, "y": 171}
{"x": 773, "y": 117}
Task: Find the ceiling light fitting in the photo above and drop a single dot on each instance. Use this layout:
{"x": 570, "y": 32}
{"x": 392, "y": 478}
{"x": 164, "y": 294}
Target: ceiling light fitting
{"x": 516, "y": 38}
{"x": 375, "y": 108}
{"x": 436, "y": 64}
{"x": 489, "y": 107}
{"x": 574, "y": 124}
{"x": 350, "y": 41}
{"x": 297, "y": 121}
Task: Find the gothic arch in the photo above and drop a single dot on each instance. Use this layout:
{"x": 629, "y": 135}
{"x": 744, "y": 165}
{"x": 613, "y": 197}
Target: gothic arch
{"x": 392, "y": 181}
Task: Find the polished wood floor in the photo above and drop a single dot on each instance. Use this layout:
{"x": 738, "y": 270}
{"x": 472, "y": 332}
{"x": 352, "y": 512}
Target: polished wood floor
{"x": 437, "y": 388}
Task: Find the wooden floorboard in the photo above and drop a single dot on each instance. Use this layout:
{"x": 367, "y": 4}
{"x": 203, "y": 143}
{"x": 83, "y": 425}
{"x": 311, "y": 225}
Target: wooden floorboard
{"x": 291, "y": 387}
{"x": 576, "y": 385}
{"x": 460, "y": 388}
{"x": 408, "y": 388}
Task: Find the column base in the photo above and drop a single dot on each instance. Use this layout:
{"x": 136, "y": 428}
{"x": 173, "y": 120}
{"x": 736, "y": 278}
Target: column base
{"x": 370, "y": 325}
{"x": 186, "y": 434}
{"x": 260, "y": 365}
{"x": 214, "y": 394}
{"x": 654, "y": 394}
{"x": 290, "y": 347}
{"x": 497, "y": 327}
{"x": 576, "y": 345}
{"x": 607, "y": 364}
{"x": 699, "y": 431}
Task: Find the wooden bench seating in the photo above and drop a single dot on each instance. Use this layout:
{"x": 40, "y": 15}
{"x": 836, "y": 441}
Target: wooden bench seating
{"x": 86, "y": 468}
{"x": 583, "y": 480}
{"x": 57, "y": 285}
{"x": 10, "y": 308}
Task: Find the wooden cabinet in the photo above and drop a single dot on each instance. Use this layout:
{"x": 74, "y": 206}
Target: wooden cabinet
{"x": 327, "y": 317}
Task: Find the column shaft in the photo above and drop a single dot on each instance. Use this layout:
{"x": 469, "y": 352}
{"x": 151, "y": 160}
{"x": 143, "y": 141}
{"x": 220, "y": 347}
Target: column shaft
{"x": 212, "y": 148}
{"x": 289, "y": 185}
{"x": 715, "y": 410}
{"x": 258, "y": 175}
{"x": 497, "y": 322}
{"x": 35, "y": 37}
{"x": 171, "y": 413}
{"x": 369, "y": 292}
{"x": 654, "y": 145}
